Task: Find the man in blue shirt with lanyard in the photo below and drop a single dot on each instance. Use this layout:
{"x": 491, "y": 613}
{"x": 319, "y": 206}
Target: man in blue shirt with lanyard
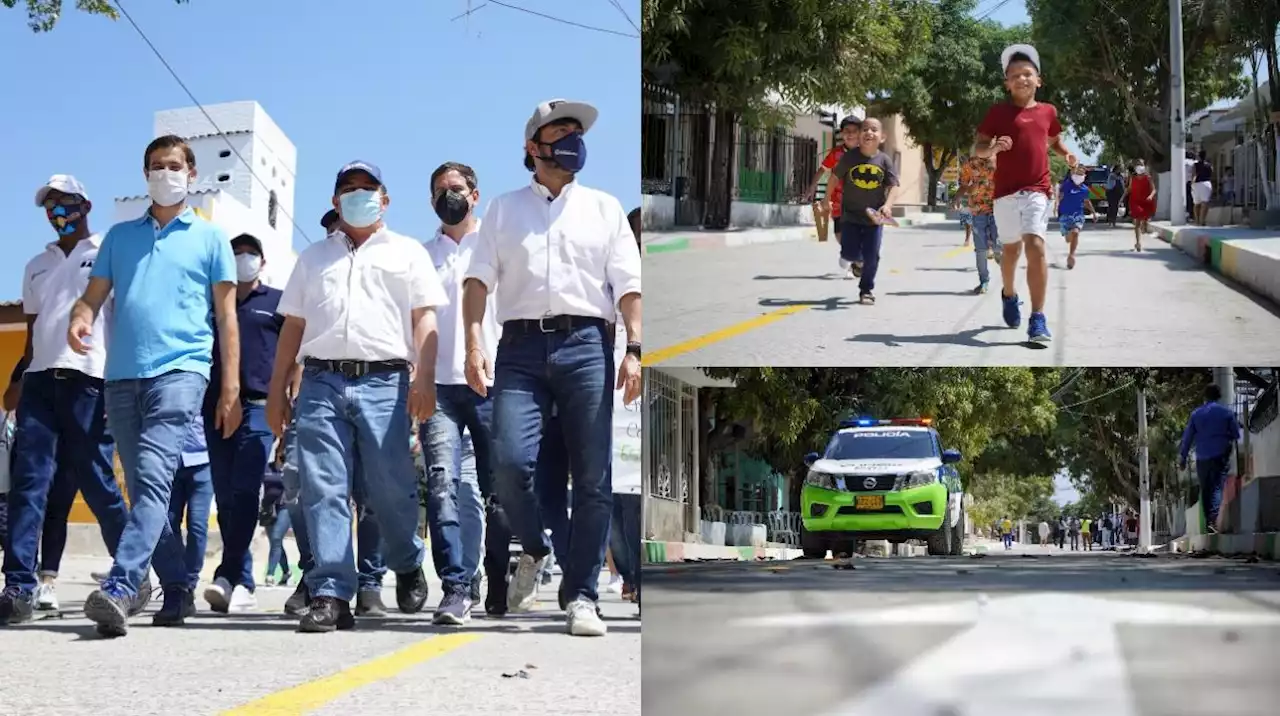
{"x": 1214, "y": 430}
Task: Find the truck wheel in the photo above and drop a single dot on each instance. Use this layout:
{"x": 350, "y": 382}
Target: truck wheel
{"x": 957, "y": 537}
{"x": 939, "y": 543}
{"x": 811, "y": 545}
{"x": 844, "y": 549}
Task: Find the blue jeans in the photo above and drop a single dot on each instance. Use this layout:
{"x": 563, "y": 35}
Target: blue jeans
{"x": 192, "y": 495}
{"x": 370, "y": 566}
{"x": 551, "y": 483}
{"x": 455, "y": 518}
{"x": 985, "y": 239}
{"x": 341, "y": 421}
{"x": 862, "y": 242}
{"x": 277, "y": 557}
{"x": 53, "y": 533}
{"x": 237, "y": 464}
{"x": 624, "y": 538}
{"x": 1213, "y": 476}
{"x": 1008, "y": 540}
{"x": 574, "y": 372}
{"x": 150, "y": 418}
{"x": 59, "y": 426}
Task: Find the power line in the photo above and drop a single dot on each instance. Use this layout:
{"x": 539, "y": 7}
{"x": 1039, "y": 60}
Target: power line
{"x": 1098, "y": 397}
{"x": 630, "y": 22}
{"x": 205, "y": 112}
{"x": 995, "y": 7}
{"x": 562, "y": 20}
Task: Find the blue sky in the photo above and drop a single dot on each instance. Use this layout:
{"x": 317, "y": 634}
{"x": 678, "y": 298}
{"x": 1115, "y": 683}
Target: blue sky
{"x": 397, "y": 84}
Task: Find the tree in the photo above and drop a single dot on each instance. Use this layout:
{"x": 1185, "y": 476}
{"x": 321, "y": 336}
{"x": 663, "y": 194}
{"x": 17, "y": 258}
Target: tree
{"x": 944, "y": 92}
{"x": 43, "y": 15}
{"x": 731, "y": 55}
{"x": 998, "y": 496}
{"x": 1106, "y": 67}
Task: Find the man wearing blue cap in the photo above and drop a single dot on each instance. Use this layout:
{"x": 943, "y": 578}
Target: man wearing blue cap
{"x": 359, "y": 312}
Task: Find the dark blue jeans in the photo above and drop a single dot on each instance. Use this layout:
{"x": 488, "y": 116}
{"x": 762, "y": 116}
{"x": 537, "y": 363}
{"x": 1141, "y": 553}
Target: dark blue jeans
{"x": 573, "y": 371}
{"x": 150, "y": 418}
{"x": 624, "y": 538}
{"x": 237, "y": 465}
{"x": 551, "y": 484}
{"x": 862, "y": 242}
{"x": 1213, "y": 477}
{"x": 191, "y": 496}
{"x": 60, "y": 425}
{"x": 278, "y": 557}
{"x": 53, "y": 535}
{"x": 455, "y": 517}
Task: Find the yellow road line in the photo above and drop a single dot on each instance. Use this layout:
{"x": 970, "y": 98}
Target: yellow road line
{"x": 314, "y": 694}
{"x": 665, "y": 354}
{"x": 957, "y": 251}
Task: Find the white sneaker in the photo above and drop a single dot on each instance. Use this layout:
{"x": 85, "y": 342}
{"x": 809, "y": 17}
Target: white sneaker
{"x": 523, "y": 592}
{"x": 46, "y": 598}
{"x": 242, "y": 600}
{"x": 583, "y": 620}
{"x": 218, "y": 595}
{"x": 614, "y": 586}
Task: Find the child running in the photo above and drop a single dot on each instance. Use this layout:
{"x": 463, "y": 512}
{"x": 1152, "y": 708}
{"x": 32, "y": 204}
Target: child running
{"x": 975, "y": 184}
{"x": 1022, "y": 128}
{"x": 869, "y": 184}
{"x": 1142, "y": 202}
{"x": 1073, "y": 201}
{"x": 850, "y": 133}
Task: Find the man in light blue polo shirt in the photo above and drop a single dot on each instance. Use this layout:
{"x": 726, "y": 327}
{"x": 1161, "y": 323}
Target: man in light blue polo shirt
{"x": 170, "y": 269}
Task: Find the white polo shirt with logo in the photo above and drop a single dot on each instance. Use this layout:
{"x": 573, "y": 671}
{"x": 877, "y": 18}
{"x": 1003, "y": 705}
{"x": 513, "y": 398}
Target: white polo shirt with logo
{"x": 358, "y": 302}
{"x": 451, "y": 259}
{"x": 52, "y": 284}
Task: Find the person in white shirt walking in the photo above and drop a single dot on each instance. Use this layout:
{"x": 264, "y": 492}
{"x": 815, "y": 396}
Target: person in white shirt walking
{"x": 359, "y": 312}
{"x": 61, "y": 417}
{"x": 455, "y": 506}
{"x": 565, "y": 264}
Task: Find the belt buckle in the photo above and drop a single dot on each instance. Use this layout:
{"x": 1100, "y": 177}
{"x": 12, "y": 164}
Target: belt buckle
{"x": 350, "y": 368}
{"x": 542, "y": 325}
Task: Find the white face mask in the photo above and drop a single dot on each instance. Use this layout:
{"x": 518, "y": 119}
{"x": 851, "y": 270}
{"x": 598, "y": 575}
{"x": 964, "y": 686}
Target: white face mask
{"x": 167, "y": 188}
{"x": 1077, "y": 179}
{"x": 1140, "y": 169}
{"x": 248, "y": 267}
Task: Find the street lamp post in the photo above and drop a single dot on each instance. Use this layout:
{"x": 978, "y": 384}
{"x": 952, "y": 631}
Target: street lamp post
{"x": 1177, "y": 129}
{"x": 1144, "y": 478}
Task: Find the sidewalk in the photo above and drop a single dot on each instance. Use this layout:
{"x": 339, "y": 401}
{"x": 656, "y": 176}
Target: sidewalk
{"x": 655, "y": 242}
{"x": 1266, "y": 545}
{"x": 664, "y": 552}
{"x": 1248, "y": 256}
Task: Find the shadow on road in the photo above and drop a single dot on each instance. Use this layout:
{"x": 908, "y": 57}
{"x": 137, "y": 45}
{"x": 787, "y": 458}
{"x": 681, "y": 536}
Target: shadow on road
{"x": 962, "y": 338}
{"x": 835, "y": 303}
{"x": 823, "y": 277}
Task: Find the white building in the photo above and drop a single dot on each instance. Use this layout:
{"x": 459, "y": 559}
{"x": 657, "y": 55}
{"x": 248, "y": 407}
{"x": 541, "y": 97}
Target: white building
{"x": 226, "y": 190}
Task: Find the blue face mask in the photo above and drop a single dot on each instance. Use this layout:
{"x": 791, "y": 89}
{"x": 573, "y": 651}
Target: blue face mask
{"x": 66, "y": 221}
{"x": 361, "y": 208}
{"x": 569, "y": 152}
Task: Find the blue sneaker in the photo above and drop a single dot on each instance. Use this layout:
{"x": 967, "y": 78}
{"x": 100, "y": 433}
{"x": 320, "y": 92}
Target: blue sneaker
{"x": 1038, "y": 329}
{"x": 1012, "y": 312}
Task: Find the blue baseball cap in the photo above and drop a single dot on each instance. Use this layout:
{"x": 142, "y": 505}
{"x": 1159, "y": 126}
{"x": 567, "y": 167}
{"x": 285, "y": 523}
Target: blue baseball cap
{"x": 358, "y": 166}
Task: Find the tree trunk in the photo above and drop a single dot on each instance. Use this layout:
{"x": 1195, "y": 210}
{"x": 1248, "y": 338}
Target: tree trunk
{"x": 932, "y": 172}
{"x": 720, "y": 195}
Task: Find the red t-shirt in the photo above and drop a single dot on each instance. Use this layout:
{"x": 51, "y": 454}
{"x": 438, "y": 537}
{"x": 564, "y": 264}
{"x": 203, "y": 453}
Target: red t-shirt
{"x": 1026, "y": 165}
{"x": 835, "y": 187}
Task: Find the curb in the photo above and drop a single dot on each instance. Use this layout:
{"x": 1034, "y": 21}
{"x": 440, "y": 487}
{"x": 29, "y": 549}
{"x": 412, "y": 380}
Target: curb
{"x": 1227, "y": 256}
{"x": 667, "y": 552}
{"x": 1264, "y": 545}
{"x": 675, "y": 241}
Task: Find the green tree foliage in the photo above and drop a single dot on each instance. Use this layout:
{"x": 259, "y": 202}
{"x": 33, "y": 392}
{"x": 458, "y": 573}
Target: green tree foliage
{"x": 1106, "y": 67}
{"x": 998, "y": 495}
{"x": 43, "y": 15}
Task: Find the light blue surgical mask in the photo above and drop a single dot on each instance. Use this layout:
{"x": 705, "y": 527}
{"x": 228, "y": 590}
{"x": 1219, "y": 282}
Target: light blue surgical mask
{"x": 361, "y": 208}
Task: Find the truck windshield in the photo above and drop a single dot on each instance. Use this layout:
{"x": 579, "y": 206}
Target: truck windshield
{"x": 880, "y": 444}
{"x": 1096, "y": 176}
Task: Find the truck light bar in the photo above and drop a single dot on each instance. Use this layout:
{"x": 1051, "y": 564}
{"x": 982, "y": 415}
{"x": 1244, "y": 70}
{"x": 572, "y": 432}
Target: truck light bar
{"x": 872, "y": 422}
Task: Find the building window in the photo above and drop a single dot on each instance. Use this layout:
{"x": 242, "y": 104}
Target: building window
{"x": 224, "y": 153}
{"x": 273, "y": 205}
{"x": 224, "y": 178}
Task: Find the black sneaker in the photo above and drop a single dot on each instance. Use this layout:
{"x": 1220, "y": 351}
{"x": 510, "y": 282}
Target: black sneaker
{"x": 141, "y": 601}
{"x": 369, "y": 604}
{"x": 297, "y": 603}
{"x": 411, "y": 591}
{"x": 325, "y": 614}
{"x": 110, "y": 611}
{"x": 16, "y": 607}
{"x": 179, "y": 604}
{"x": 454, "y": 609}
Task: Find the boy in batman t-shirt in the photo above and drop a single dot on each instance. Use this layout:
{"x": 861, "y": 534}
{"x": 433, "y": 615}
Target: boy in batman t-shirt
{"x": 869, "y": 185}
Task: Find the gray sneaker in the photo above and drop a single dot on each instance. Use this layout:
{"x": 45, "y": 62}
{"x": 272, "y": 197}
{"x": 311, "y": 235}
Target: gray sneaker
{"x": 454, "y": 609}
{"x": 523, "y": 591}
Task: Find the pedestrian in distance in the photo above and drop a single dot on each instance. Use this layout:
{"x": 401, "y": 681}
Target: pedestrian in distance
{"x": 1061, "y": 532}
{"x": 1043, "y": 530}
{"x": 1021, "y": 129}
{"x": 1212, "y": 430}
{"x": 1202, "y": 188}
{"x": 976, "y": 188}
{"x": 170, "y": 270}
{"x": 1073, "y": 531}
{"x": 1006, "y": 532}
{"x": 1073, "y": 202}
{"x": 1115, "y": 192}
{"x": 1086, "y": 533}
{"x": 869, "y": 184}
{"x": 1142, "y": 202}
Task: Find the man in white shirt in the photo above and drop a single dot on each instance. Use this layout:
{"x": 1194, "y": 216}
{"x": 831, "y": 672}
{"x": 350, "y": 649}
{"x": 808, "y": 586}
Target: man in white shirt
{"x": 359, "y": 312}
{"x": 455, "y": 508}
{"x": 61, "y": 416}
{"x": 566, "y": 264}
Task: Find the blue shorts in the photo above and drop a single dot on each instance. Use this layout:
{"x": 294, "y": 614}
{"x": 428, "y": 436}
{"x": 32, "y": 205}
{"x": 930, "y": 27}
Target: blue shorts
{"x": 1072, "y": 222}
{"x": 966, "y": 217}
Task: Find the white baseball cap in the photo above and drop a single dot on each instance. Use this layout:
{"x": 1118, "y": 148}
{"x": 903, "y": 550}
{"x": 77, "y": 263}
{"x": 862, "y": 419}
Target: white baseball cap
{"x": 64, "y": 183}
{"x": 1011, "y": 50}
{"x": 554, "y": 109}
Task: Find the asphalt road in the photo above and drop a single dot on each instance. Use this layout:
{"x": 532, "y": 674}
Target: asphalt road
{"x": 257, "y": 664}
{"x": 788, "y": 304}
{"x": 1033, "y": 632}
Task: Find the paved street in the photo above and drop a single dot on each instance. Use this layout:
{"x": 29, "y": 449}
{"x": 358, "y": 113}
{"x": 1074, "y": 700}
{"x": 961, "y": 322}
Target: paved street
{"x": 257, "y": 664}
{"x": 1036, "y": 631}
{"x": 787, "y": 304}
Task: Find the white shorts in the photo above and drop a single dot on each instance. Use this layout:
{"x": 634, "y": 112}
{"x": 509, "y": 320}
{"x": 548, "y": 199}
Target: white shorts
{"x": 1201, "y": 191}
{"x": 1017, "y": 215}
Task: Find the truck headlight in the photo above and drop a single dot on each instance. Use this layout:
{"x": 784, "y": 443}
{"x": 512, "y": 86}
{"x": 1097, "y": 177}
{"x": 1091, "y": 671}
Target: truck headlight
{"x": 820, "y": 479}
{"x": 915, "y": 479}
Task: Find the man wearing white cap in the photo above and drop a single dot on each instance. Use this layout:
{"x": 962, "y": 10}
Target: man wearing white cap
{"x": 566, "y": 264}
{"x": 1022, "y": 128}
{"x": 61, "y": 423}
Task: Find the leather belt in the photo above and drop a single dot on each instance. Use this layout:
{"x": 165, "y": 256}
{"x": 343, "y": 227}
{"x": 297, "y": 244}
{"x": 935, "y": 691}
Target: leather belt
{"x": 553, "y": 324}
{"x": 357, "y": 368}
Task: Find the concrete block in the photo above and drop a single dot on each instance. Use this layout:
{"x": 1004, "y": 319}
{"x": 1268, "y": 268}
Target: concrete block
{"x": 713, "y": 533}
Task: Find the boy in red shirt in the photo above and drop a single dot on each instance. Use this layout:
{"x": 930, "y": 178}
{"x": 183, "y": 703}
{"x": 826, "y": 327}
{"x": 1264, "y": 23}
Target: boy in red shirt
{"x": 1022, "y": 129}
{"x": 850, "y": 135}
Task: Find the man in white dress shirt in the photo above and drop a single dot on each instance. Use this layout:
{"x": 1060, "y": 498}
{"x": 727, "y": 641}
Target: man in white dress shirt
{"x": 455, "y": 508}
{"x": 566, "y": 263}
{"x": 359, "y": 312}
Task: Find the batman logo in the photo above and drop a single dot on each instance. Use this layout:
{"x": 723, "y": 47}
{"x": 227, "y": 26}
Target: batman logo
{"x": 866, "y": 176}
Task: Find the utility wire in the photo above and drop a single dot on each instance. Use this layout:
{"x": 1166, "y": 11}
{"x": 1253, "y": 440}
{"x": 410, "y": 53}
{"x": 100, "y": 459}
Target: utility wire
{"x": 561, "y": 20}
{"x": 205, "y": 112}
{"x": 1097, "y": 397}
{"x": 630, "y": 22}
